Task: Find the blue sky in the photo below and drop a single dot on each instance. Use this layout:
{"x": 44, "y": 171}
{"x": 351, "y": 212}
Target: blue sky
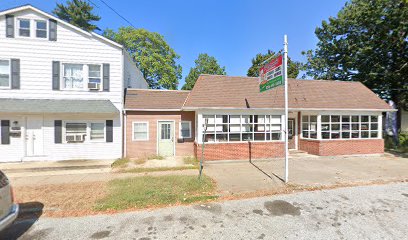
{"x": 231, "y": 31}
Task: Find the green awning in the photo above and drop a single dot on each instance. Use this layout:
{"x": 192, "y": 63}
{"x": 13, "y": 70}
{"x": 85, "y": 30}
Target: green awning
{"x": 8, "y": 105}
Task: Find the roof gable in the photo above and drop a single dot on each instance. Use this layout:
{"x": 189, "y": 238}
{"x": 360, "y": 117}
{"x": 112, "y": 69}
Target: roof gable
{"x": 91, "y": 34}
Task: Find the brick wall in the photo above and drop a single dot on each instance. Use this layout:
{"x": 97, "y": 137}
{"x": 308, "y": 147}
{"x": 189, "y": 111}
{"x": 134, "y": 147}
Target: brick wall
{"x": 342, "y": 147}
{"x": 136, "y": 149}
{"x": 241, "y": 151}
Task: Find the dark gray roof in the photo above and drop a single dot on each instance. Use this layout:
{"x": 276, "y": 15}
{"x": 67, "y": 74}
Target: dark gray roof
{"x": 56, "y": 106}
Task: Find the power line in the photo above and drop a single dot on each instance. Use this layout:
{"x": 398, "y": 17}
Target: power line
{"x": 117, "y": 13}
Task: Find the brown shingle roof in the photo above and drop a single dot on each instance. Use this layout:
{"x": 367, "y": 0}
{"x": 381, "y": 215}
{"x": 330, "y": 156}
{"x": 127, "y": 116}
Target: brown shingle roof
{"x": 215, "y": 91}
{"x": 155, "y": 99}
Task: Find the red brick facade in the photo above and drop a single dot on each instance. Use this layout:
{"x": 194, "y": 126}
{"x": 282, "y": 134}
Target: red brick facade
{"x": 137, "y": 149}
{"x": 342, "y": 147}
{"x": 240, "y": 151}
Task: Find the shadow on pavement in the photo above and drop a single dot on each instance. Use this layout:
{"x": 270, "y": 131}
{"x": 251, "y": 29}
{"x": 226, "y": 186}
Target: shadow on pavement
{"x": 29, "y": 213}
{"x": 262, "y": 171}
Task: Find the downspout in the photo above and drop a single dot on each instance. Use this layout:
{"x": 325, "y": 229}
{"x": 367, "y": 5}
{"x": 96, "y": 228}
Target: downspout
{"x": 124, "y": 154}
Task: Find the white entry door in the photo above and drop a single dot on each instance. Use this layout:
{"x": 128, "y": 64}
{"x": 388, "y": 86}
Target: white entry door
{"x": 166, "y": 138}
{"x": 34, "y": 136}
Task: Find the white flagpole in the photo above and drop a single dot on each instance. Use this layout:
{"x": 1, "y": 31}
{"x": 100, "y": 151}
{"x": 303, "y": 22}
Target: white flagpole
{"x": 285, "y": 67}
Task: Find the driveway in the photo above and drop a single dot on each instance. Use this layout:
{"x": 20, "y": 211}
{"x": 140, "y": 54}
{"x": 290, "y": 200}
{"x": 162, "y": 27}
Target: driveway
{"x": 241, "y": 177}
{"x": 369, "y": 212}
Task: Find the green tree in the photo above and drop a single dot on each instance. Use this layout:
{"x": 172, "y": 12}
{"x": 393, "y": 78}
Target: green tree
{"x": 78, "y": 13}
{"x": 204, "y": 64}
{"x": 152, "y": 55}
{"x": 259, "y": 60}
{"x": 366, "y": 42}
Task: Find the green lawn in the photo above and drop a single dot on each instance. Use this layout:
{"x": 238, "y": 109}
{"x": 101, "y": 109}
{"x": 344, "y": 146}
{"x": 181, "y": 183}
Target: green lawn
{"x": 147, "y": 191}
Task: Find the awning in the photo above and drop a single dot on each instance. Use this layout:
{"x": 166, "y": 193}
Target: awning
{"x": 8, "y": 105}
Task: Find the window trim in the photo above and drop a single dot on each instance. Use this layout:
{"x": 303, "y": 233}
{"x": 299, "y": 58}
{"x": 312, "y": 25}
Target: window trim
{"x": 350, "y": 122}
{"x": 104, "y": 131}
{"x": 9, "y": 68}
{"x": 46, "y": 28}
{"x": 242, "y": 123}
{"x": 85, "y": 76}
{"x": 18, "y": 28}
{"x": 87, "y": 138}
{"x": 147, "y": 131}
{"x": 190, "y": 130}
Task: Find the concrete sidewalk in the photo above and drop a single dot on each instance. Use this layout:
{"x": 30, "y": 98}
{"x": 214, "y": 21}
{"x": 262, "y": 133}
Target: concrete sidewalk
{"x": 28, "y": 169}
{"x": 241, "y": 177}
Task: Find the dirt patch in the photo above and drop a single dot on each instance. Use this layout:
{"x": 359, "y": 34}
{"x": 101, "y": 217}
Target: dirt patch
{"x": 100, "y": 235}
{"x": 280, "y": 208}
{"x": 62, "y": 199}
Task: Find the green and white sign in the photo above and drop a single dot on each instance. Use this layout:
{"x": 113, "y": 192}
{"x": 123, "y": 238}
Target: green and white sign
{"x": 270, "y": 74}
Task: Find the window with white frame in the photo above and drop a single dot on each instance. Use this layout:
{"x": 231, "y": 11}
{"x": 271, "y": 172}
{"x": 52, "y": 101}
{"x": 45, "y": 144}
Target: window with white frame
{"x": 349, "y": 126}
{"x": 4, "y": 73}
{"x": 24, "y": 27}
{"x": 75, "y": 131}
{"x": 140, "y": 131}
{"x": 97, "y": 131}
{"x": 236, "y": 128}
{"x": 309, "y": 126}
{"x": 185, "y": 129}
{"x": 41, "y": 29}
{"x": 94, "y": 73}
{"x": 73, "y": 76}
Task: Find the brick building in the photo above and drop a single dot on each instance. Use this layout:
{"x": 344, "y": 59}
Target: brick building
{"x": 235, "y": 121}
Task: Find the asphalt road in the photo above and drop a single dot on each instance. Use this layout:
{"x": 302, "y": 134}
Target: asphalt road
{"x": 370, "y": 212}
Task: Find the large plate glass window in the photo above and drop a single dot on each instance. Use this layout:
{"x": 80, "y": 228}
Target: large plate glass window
{"x": 349, "y": 126}
{"x": 140, "y": 131}
{"x": 73, "y": 76}
{"x": 4, "y": 73}
{"x": 41, "y": 29}
{"x": 24, "y": 27}
{"x": 235, "y": 128}
{"x": 97, "y": 131}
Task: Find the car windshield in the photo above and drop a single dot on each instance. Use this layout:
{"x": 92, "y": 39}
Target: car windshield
{"x": 3, "y": 180}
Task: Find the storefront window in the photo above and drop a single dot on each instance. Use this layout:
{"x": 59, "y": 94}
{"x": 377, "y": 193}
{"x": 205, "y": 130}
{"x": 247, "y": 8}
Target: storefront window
{"x": 349, "y": 126}
{"x": 236, "y": 128}
{"x": 309, "y": 126}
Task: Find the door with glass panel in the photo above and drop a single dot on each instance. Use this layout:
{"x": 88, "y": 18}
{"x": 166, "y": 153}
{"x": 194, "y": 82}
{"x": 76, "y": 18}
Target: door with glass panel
{"x": 166, "y": 138}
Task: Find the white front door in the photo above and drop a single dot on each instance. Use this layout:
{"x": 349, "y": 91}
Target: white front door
{"x": 166, "y": 138}
{"x": 34, "y": 136}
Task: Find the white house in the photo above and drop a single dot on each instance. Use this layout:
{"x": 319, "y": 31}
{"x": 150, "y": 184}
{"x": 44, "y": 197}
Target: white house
{"x": 61, "y": 89}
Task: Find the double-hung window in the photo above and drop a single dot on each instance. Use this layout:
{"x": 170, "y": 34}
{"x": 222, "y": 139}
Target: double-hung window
{"x": 75, "y": 132}
{"x": 185, "y": 129}
{"x": 41, "y": 29}
{"x": 140, "y": 131}
{"x": 97, "y": 131}
{"x": 94, "y": 73}
{"x": 73, "y": 76}
{"x": 4, "y": 73}
{"x": 24, "y": 27}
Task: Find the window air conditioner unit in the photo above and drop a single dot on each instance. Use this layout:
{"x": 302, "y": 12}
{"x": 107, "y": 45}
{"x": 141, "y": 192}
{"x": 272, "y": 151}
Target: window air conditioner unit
{"x": 75, "y": 138}
{"x": 94, "y": 86}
